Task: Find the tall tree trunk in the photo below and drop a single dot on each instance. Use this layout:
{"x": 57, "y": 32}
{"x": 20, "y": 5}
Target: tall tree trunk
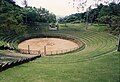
{"x": 87, "y": 20}
{"x": 119, "y": 44}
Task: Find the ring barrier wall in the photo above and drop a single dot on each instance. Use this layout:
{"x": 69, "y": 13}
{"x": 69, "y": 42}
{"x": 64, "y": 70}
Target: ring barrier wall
{"x": 81, "y": 45}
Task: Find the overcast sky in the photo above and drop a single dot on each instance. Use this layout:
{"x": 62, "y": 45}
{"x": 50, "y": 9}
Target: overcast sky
{"x": 58, "y": 7}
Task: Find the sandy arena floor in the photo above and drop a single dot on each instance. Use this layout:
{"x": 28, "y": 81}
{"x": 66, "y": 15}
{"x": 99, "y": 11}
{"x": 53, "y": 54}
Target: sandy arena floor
{"x": 53, "y": 45}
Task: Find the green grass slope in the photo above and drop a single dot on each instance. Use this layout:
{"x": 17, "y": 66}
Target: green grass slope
{"x": 98, "y": 62}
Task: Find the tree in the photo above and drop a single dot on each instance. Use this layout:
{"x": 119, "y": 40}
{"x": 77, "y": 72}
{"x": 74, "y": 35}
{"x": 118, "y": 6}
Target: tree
{"x": 18, "y": 20}
{"x": 119, "y": 44}
{"x": 11, "y": 18}
{"x": 106, "y": 13}
{"x": 87, "y": 16}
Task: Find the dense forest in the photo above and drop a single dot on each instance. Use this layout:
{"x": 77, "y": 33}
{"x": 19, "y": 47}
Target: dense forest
{"x": 103, "y": 14}
{"x": 16, "y": 20}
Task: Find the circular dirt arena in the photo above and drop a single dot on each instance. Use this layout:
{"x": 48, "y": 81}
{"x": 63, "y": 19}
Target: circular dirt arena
{"x": 47, "y": 46}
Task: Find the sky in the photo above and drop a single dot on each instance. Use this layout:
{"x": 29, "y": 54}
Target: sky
{"x": 58, "y": 7}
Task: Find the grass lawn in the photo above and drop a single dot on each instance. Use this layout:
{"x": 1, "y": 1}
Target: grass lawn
{"x": 2, "y": 43}
{"x": 98, "y": 62}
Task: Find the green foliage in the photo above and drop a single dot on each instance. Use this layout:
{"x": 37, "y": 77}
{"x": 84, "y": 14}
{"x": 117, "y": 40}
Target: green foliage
{"x": 104, "y": 11}
{"x": 32, "y": 15}
{"x": 10, "y": 18}
{"x": 104, "y": 19}
{"x": 103, "y": 14}
{"x": 71, "y": 18}
{"x": 115, "y": 28}
{"x": 17, "y": 20}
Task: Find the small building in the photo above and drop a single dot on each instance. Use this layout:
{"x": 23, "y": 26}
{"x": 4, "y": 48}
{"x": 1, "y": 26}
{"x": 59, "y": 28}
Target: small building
{"x": 53, "y": 27}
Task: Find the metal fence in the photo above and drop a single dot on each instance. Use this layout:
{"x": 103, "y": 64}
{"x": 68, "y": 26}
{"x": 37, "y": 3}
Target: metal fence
{"x": 45, "y": 52}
